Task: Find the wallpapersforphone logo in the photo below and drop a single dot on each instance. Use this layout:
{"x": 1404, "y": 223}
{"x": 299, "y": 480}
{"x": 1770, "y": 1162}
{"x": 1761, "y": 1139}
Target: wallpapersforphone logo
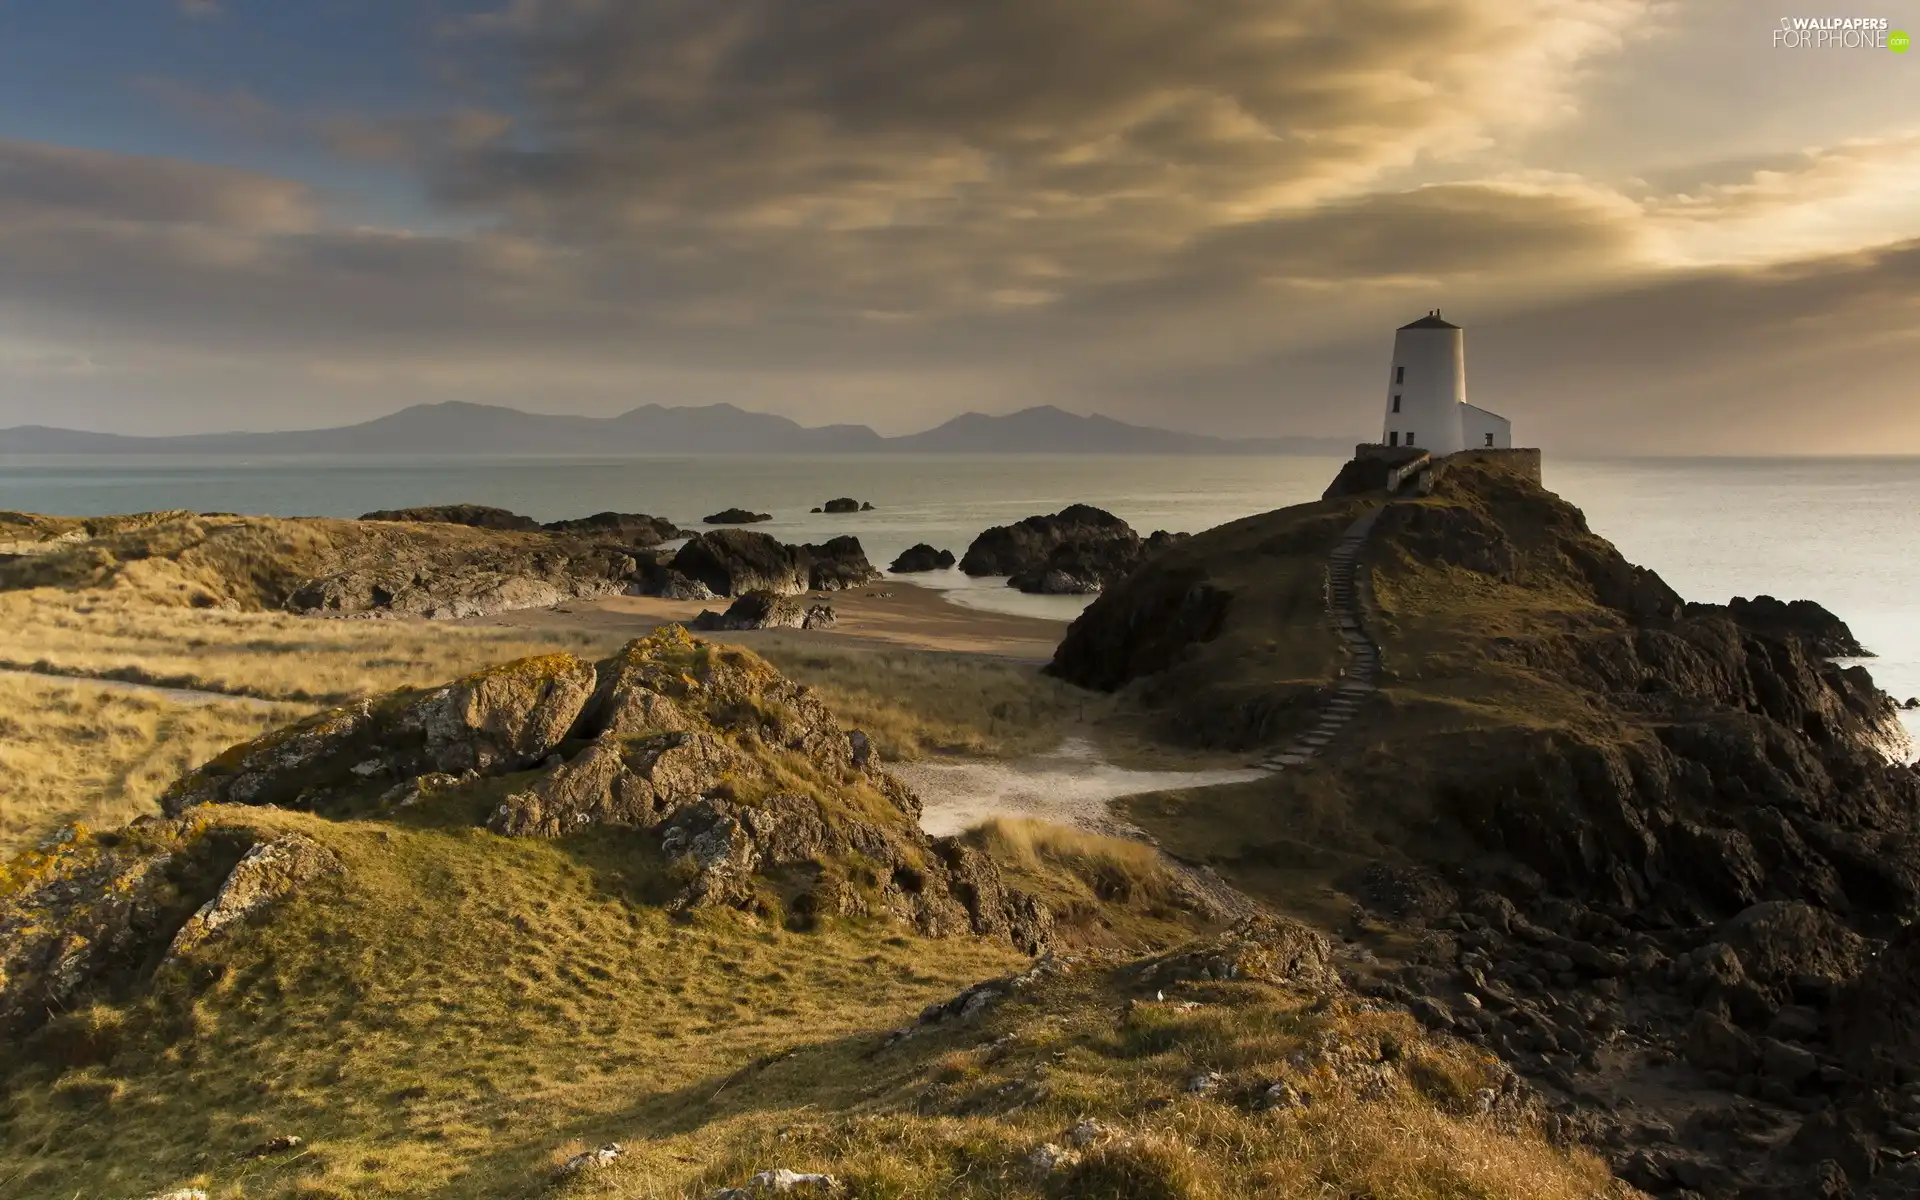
{"x": 1839, "y": 33}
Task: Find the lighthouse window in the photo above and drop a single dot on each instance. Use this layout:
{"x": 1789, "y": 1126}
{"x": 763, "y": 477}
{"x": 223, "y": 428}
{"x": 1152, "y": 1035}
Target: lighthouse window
{"x": 1396, "y": 404}
{"x": 1393, "y": 438}
{"x": 1409, "y": 437}
{"x": 1399, "y": 374}
{"x": 1489, "y": 439}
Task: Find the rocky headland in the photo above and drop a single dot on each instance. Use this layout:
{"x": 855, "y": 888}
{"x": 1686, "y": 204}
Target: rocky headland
{"x": 1659, "y": 856}
{"x": 1078, "y": 550}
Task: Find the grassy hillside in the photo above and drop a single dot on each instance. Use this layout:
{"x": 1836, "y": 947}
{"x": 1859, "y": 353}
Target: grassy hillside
{"x": 88, "y": 753}
{"x": 456, "y": 1013}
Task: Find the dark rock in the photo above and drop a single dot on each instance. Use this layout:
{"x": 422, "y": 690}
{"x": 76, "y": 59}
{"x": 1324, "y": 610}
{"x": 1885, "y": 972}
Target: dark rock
{"x": 1838, "y": 1137}
{"x": 630, "y": 529}
{"x": 1824, "y": 633}
{"x": 1009, "y": 549}
{"x": 1780, "y": 941}
{"x": 764, "y": 610}
{"x": 1876, "y": 1025}
{"x": 477, "y": 516}
{"x": 922, "y": 557}
{"x": 844, "y": 504}
{"x": 733, "y": 562}
{"x": 670, "y": 584}
{"x": 1145, "y": 626}
{"x": 837, "y": 564}
{"x": 1790, "y": 1064}
{"x": 1076, "y": 550}
{"x": 1715, "y": 1044}
{"x": 736, "y": 516}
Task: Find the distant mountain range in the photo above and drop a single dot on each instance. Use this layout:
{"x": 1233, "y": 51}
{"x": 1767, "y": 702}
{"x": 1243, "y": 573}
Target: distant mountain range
{"x": 460, "y": 428}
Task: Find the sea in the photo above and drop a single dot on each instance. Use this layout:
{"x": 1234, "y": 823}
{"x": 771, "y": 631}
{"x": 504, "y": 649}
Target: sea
{"x": 1842, "y": 531}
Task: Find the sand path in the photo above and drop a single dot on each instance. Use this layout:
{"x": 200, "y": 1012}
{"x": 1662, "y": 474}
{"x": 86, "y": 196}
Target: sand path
{"x": 1069, "y": 785}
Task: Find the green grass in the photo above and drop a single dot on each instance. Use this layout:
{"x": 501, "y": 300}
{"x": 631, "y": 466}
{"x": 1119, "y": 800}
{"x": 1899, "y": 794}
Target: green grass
{"x": 440, "y": 1017}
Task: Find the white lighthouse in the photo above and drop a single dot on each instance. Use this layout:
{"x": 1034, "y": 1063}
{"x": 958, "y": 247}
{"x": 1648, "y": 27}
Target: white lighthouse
{"x": 1427, "y": 393}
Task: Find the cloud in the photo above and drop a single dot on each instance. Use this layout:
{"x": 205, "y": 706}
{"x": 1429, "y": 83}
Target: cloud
{"x": 978, "y": 154}
{"x": 42, "y": 184}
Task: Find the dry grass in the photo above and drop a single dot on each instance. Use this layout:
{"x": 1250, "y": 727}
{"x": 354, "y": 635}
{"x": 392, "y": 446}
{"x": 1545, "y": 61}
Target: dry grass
{"x": 90, "y": 753}
{"x": 457, "y": 1009}
{"x": 915, "y": 703}
{"x": 276, "y": 656}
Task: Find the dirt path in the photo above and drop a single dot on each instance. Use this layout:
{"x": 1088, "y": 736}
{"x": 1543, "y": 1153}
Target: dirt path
{"x": 1070, "y": 785}
{"x": 160, "y": 691}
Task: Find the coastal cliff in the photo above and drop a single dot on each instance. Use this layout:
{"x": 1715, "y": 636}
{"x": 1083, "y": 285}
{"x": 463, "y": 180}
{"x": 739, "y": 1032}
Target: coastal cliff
{"x": 1626, "y": 831}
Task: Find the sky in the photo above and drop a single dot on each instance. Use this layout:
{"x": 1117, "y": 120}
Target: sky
{"x": 1663, "y": 232}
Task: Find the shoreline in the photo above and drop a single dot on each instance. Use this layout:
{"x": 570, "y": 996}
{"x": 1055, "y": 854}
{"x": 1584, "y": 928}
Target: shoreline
{"x": 890, "y": 614}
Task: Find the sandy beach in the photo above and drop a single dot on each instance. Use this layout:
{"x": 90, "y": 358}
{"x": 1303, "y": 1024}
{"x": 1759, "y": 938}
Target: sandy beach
{"x": 890, "y": 613}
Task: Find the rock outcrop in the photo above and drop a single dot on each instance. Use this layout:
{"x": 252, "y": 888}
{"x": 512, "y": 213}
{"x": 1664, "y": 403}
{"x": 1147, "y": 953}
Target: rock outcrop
{"x": 921, "y": 557}
{"x": 742, "y": 775}
{"x": 766, "y": 610}
{"x": 90, "y": 916}
{"x": 844, "y": 504}
{"x": 1822, "y": 632}
{"x": 736, "y": 516}
{"x": 1079, "y": 549}
{"x": 733, "y": 562}
{"x": 628, "y": 529}
{"x": 474, "y": 516}
{"x": 1682, "y": 831}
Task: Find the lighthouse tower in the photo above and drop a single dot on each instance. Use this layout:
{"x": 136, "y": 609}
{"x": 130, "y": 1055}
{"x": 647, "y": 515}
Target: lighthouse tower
{"x": 1427, "y": 393}
{"x": 1428, "y": 386}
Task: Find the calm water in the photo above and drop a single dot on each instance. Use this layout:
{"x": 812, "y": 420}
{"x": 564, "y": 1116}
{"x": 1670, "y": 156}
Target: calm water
{"x": 1845, "y": 532}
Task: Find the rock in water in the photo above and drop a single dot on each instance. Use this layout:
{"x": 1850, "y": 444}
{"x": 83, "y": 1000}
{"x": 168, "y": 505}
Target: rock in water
{"x": 921, "y": 557}
{"x": 1823, "y": 632}
{"x": 1078, "y": 550}
{"x": 845, "y": 504}
{"x": 736, "y": 516}
{"x": 1010, "y": 549}
{"x": 478, "y": 516}
{"x": 630, "y": 529}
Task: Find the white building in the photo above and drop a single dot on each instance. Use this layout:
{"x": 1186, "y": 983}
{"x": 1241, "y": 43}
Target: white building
{"x": 1427, "y": 399}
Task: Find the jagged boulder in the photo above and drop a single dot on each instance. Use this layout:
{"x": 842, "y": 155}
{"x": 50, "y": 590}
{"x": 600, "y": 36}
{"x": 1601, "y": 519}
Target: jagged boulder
{"x": 504, "y": 718}
{"x": 736, "y": 516}
{"x": 837, "y": 564}
{"x": 267, "y": 872}
{"x": 88, "y": 916}
{"x": 921, "y": 557}
{"x": 845, "y": 504}
{"x": 477, "y": 516}
{"x": 733, "y": 562}
{"x": 765, "y": 610}
{"x": 1026, "y": 544}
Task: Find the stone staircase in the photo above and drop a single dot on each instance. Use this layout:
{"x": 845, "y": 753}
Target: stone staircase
{"x": 1344, "y": 602}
